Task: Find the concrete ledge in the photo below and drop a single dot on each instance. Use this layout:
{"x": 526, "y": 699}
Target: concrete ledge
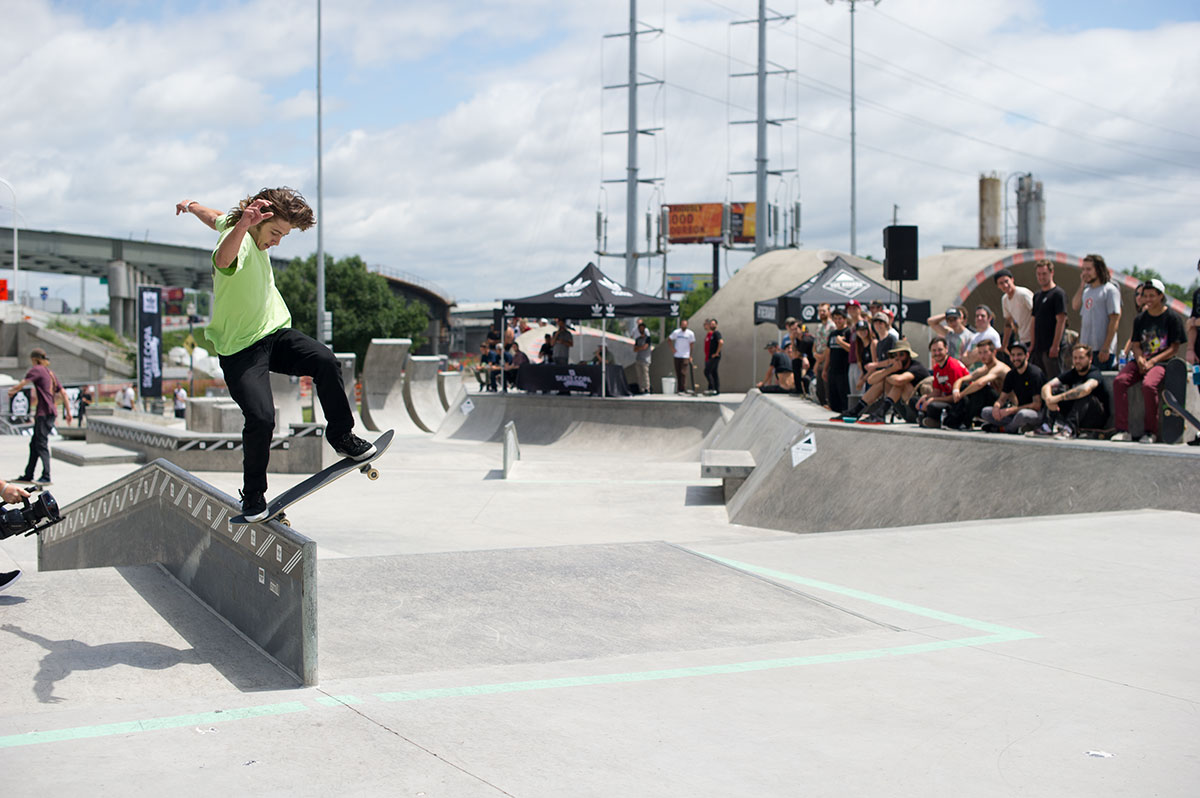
{"x": 85, "y": 454}
{"x": 298, "y": 453}
{"x": 260, "y": 578}
{"x": 732, "y": 466}
{"x": 857, "y": 477}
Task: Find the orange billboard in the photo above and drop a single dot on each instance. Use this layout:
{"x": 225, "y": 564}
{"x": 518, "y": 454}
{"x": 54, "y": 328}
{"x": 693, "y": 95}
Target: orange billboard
{"x": 701, "y": 223}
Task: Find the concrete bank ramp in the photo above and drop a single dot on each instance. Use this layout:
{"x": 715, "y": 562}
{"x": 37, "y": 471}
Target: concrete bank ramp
{"x": 261, "y": 578}
{"x": 457, "y": 610}
{"x": 662, "y": 429}
{"x": 383, "y": 386}
{"x": 421, "y": 391}
{"x": 450, "y": 385}
{"x": 863, "y": 477}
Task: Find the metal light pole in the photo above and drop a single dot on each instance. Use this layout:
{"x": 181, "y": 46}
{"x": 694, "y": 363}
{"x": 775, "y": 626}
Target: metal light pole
{"x": 320, "y": 201}
{"x": 760, "y": 160}
{"x": 853, "y": 135}
{"x": 16, "y": 254}
{"x": 631, "y": 157}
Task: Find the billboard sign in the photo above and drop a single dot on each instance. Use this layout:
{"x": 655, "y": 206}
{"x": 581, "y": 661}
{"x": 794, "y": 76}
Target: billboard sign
{"x": 686, "y": 283}
{"x": 150, "y": 341}
{"x": 702, "y": 223}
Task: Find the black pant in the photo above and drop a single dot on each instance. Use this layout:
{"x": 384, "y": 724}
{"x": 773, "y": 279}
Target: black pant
{"x": 838, "y": 390}
{"x": 710, "y": 373}
{"x": 247, "y": 373}
{"x": 1084, "y": 413}
{"x": 39, "y": 447}
{"x": 964, "y": 412}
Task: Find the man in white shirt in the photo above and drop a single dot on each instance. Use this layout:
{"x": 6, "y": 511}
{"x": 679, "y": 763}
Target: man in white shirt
{"x": 681, "y": 341}
{"x": 1016, "y": 303}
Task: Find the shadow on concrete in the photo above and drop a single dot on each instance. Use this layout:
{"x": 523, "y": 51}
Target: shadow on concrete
{"x": 704, "y": 496}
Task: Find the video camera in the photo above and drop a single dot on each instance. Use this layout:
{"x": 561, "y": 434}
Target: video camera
{"x": 32, "y": 515}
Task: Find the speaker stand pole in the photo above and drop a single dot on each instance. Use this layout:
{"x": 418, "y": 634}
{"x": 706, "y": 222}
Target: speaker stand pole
{"x": 900, "y": 312}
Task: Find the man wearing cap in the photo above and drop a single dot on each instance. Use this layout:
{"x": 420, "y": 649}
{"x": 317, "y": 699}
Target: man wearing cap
{"x": 1049, "y": 319}
{"x": 779, "y": 377}
{"x": 900, "y": 381}
{"x": 1019, "y": 406}
{"x": 48, "y": 388}
{"x": 950, "y": 325}
{"x": 837, "y": 363}
{"x": 1157, "y": 335}
{"x": 1016, "y": 305}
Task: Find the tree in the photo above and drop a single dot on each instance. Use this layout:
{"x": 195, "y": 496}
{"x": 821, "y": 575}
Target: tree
{"x": 1175, "y": 290}
{"x": 363, "y": 306}
{"x": 694, "y": 300}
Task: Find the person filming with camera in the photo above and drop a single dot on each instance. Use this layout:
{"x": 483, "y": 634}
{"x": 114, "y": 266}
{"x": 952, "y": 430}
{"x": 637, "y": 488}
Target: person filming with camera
{"x": 11, "y": 494}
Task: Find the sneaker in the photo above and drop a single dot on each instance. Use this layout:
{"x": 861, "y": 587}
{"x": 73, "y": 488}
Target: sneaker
{"x": 8, "y": 577}
{"x": 45, "y": 480}
{"x": 1121, "y": 437}
{"x": 254, "y": 506}
{"x": 1195, "y": 441}
{"x": 1064, "y": 434}
{"x": 988, "y": 427}
{"x": 930, "y": 422}
{"x": 27, "y": 480}
{"x": 873, "y": 418}
{"x": 352, "y": 446}
{"x": 1043, "y": 431}
{"x": 1149, "y": 437}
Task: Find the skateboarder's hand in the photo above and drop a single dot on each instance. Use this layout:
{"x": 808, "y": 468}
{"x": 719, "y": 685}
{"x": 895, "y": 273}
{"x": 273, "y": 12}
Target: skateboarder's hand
{"x": 256, "y": 212}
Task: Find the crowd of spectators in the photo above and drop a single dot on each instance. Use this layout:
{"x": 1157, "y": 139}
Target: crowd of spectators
{"x": 1024, "y": 372}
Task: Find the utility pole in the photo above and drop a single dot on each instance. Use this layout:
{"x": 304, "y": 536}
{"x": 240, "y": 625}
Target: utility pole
{"x": 853, "y": 136}
{"x": 322, "y": 336}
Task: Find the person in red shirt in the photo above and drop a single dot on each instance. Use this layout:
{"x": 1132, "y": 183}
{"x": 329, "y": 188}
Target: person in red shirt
{"x": 946, "y": 371}
{"x": 48, "y": 388}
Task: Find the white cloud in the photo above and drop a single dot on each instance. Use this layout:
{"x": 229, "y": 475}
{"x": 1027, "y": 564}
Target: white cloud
{"x": 496, "y": 195}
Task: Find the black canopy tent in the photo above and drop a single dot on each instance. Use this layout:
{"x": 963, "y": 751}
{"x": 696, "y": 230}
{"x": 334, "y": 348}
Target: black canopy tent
{"x": 837, "y": 284}
{"x": 591, "y": 294}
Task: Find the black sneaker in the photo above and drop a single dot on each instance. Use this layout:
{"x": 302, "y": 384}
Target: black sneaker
{"x": 254, "y": 506}
{"x": 352, "y": 446}
{"x": 44, "y": 481}
{"x": 8, "y": 577}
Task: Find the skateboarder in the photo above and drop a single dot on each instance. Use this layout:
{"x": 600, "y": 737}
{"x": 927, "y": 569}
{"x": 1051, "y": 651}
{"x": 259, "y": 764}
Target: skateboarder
{"x": 251, "y": 329}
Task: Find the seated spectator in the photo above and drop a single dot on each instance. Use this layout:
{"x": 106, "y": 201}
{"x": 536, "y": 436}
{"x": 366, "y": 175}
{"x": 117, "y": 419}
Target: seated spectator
{"x": 973, "y": 392}
{"x": 946, "y": 370}
{"x": 951, "y": 326}
{"x": 800, "y": 362}
{"x": 546, "y": 353}
{"x": 1157, "y": 336}
{"x": 1019, "y": 407}
{"x": 1076, "y": 399}
{"x": 779, "y": 377}
{"x": 897, "y": 382}
{"x": 514, "y": 358}
{"x": 600, "y": 356}
{"x": 489, "y": 365}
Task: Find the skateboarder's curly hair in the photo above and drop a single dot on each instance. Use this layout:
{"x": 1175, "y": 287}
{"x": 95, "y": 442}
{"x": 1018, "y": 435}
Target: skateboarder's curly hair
{"x": 287, "y": 205}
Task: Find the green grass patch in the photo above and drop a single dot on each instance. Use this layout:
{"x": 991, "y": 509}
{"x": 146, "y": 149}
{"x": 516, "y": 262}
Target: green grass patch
{"x": 174, "y": 338}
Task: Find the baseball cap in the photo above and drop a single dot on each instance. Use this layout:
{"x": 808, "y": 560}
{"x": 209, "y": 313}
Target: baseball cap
{"x": 853, "y": 303}
{"x": 838, "y": 312}
{"x": 39, "y": 353}
{"x": 1156, "y": 284}
{"x": 771, "y": 345}
{"x": 883, "y": 317}
{"x": 952, "y": 312}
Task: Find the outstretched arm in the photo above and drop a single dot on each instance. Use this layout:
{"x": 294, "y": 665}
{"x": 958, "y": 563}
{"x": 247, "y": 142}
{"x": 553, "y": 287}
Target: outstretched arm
{"x": 207, "y": 215}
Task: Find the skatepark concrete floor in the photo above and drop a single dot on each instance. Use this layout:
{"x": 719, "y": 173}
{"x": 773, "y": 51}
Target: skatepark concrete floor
{"x": 594, "y": 626}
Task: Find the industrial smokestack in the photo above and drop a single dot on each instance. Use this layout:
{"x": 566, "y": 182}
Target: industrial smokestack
{"x": 991, "y": 211}
{"x": 1031, "y": 214}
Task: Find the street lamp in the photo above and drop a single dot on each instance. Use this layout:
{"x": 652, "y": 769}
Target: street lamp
{"x": 853, "y": 165}
{"x": 16, "y": 254}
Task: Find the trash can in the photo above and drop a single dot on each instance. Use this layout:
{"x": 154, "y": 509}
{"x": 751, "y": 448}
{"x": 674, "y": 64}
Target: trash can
{"x": 668, "y": 385}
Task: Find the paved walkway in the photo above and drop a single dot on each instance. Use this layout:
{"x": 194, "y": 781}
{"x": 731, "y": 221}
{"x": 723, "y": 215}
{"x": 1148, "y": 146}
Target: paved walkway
{"x": 596, "y": 627}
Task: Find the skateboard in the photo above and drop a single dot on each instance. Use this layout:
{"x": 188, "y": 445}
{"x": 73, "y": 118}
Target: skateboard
{"x": 1170, "y": 419}
{"x": 1177, "y": 408}
{"x": 30, "y": 485}
{"x": 276, "y": 506}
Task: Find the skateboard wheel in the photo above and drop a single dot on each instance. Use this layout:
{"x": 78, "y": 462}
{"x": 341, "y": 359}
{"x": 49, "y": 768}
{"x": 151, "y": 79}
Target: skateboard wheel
{"x": 372, "y": 474}
{"x": 283, "y": 519}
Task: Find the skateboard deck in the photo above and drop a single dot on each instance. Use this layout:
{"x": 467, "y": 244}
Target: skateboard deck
{"x": 1177, "y": 407}
{"x": 1170, "y": 420}
{"x": 276, "y": 506}
{"x": 31, "y": 485}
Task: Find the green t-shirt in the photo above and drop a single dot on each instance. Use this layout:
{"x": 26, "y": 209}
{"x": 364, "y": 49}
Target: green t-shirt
{"x": 246, "y": 305}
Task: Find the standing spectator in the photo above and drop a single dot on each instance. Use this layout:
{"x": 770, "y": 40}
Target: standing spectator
{"x": 837, "y": 363}
{"x": 983, "y": 331}
{"x": 1016, "y": 304}
{"x": 1157, "y": 336}
{"x": 950, "y": 325}
{"x": 863, "y": 344}
{"x": 562, "y": 343}
{"x": 779, "y": 377}
{"x": 1099, "y": 304}
{"x": 790, "y": 324}
{"x": 86, "y": 395}
{"x": 714, "y": 342}
{"x": 821, "y": 351}
{"x": 642, "y": 355}
{"x": 1049, "y": 319}
{"x": 1139, "y": 304}
{"x": 1193, "y": 345}
{"x": 1019, "y": 407}
{"x": 47, "y": 388}
{"x": 180, "y": 402}
{"x": 946, "y": 370}
{"x": 1082, "y": 402}
{"x": 126, "y": 397}
{"x": 681, "y": 340}
{"x": 802, "y": 358}
{"x": 493, "y": 335}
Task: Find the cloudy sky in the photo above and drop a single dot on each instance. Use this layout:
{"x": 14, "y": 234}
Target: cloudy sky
{"x": 463, "y": 139}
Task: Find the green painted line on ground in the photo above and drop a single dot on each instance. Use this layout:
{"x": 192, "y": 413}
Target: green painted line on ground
{"x": 151, "y": 724}
{"x": 997, "y": 634}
